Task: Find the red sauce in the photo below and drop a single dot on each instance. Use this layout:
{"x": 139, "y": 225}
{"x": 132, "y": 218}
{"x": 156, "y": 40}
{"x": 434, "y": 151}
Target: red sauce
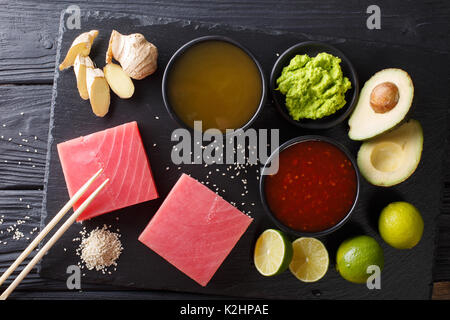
{"x": 314, "y": 188}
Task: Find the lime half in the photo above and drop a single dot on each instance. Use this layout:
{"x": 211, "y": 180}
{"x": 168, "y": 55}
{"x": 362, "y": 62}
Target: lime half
{"x": 273, "y": 253}
{"x": 310, "y": 260}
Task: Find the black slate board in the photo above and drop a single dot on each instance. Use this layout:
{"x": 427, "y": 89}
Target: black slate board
{"x": 407, "y": 274}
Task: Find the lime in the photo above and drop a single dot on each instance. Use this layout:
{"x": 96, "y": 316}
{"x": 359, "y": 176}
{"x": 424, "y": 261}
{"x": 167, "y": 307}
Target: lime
{"x": 310, "y": 260}
{"x": 401, "y": 225}
{"x": 273, "y": 253}
{"x": 354, "y": 255}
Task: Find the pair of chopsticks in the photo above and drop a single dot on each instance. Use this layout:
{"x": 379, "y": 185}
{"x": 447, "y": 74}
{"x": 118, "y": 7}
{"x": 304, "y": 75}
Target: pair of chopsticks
{"x": 53, "y": 239}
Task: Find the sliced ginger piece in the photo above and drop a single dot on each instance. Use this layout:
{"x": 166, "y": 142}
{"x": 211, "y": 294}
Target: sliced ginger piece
{"x": 119, "y": 82}
{"x": 79, "y": 67}
{"x": 98, "y": 90}
{"x": 136, "y": 55}
{"x": 81, "y": 45}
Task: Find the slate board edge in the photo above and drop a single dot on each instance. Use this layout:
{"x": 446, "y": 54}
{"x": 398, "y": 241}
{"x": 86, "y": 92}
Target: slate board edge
{"x": 146, "y": 20}
{"x": 442, "y": 194}
{"x": 50, "y": 127}
{"x": 149, "y": 20}
{"x": 441, "y": 198}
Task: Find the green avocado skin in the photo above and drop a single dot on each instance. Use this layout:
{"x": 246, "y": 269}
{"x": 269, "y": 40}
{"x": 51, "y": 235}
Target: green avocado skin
{"x": 314, "y": 87}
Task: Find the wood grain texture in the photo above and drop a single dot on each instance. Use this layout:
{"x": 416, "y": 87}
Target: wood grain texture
{"x": 27, "y": 55}
{"x": 441, "y": 270}
{"x": 23, "y": 135}
{"x": 29, "y": 28}
{"x": 441, "y": 291}
{"x": 20, "y": 216}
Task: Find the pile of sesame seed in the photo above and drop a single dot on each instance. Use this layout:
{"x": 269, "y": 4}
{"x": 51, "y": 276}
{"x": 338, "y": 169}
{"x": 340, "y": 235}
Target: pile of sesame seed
{"x": 14, "y": 229}
{"x": 100, "y": 249}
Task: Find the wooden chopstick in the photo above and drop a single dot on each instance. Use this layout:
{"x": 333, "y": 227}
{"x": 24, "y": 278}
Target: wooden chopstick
{"x": 54, "y": 238}
{"x": 48, "y": 227}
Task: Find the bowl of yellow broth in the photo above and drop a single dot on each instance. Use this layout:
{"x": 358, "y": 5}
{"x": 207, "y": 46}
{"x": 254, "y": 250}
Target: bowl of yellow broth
{"x": 215, "y": 80}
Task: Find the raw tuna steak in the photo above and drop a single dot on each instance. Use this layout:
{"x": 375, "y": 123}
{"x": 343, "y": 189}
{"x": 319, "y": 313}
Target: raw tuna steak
{"x": 195, "y": 229}
{"x": 120, "y": 152}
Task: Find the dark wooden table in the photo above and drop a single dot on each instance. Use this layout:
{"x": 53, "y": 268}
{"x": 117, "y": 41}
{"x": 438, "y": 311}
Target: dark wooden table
{"x": 27, "y": 60}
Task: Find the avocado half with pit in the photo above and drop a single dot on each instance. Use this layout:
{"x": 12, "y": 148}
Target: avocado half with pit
{"x": 383, "y": 103}
{"x": 392, "y": 157}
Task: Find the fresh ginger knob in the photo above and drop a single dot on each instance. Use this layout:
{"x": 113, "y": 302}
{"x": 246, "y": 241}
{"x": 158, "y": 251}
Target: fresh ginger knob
{"x": 137, "y": 56}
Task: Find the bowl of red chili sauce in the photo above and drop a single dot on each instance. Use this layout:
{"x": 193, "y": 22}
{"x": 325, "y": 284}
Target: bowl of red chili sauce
{"x": 315, "y": 189}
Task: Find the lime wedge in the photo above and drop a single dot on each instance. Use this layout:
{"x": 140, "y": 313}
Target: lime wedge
{"x": 310, "y": 260}
{"x": 273, "y": 253}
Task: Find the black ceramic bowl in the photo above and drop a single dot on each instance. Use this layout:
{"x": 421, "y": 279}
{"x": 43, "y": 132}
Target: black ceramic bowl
{"x": 312, "y": 49}
{"x": 188, "y": 45}
{"x": 262, "y": 193}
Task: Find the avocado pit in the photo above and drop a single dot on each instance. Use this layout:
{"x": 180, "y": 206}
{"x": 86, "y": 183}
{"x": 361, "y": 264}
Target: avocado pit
{"x": 387, "y": 156}
{"x": 387, "y": 90}
{"x": 384, "y": 97}
{"x": 392, "y": 157}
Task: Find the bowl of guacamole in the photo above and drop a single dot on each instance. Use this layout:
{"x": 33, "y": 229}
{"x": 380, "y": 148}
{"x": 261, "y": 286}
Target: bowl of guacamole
{"x": 314, "y": 85}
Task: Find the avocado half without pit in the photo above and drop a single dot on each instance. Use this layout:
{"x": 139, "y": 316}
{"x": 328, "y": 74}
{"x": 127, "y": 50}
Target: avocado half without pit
{"x": 392, "y": 157}
{"x": 383, "y": 103}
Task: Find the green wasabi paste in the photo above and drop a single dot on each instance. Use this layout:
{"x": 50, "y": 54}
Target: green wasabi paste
{"x": 314, "y": 87}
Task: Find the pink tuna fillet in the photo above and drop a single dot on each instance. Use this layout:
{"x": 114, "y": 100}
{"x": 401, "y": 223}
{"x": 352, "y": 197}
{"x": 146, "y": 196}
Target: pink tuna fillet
{"x": 195, "y": 229}
{"x": 120, "y": 152}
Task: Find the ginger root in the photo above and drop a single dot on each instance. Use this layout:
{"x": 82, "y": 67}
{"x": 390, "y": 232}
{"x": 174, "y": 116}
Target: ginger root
{"x": 119, "y": 82}
{"x": 80, "y": 65}
{"x": 137, "y": 56}
{"x": 98, "y": 90}
{"x": 81, "y": 45}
